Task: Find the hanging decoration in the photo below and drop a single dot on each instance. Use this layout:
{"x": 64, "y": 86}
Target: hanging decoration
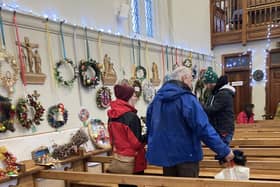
{"x": 8, "y": 79}
{"x": 65, "y": 60}
{"x": 7, "y": 113}
{"x": 103, "y": 97}
{"x": 188, "y": 61}
{"x": 199, "y": 86}
{"x": 148, "y": 92}
{"x": 89, "y": 65}
{"x": 109, "y": 75}
{"x": 155, "y": 76}
{"x": 83, "y": 116}
{"x": 57, "y": 116}
{"x": 140, "y": 71}
{"x": 176, "y": 65}
{"x": 258, "y": 75}
{"x": 99, "y": 134}
{"x": 194, "y": 72}
{"x": 9, "y": 160}
{"x": 136, "y": 84}
{"x": 32, "y": 106}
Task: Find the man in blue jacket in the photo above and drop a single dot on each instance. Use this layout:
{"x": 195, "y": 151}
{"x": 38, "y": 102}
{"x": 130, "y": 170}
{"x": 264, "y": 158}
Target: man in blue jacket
{"x": 176, "y": 125}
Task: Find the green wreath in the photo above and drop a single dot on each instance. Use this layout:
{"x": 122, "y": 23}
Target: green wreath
{"x": 59, "y": 78}
{"x": 141, "y": 73}
{"x": 103, "y": 97}
{"x": 89, "y": 82}
{"x": 187, "y": 63}
{"x": 22, "y": 111}
{"x": 137, "y": 87}
{"x": 7, "y": 111}
{"x": 53, "y": 113}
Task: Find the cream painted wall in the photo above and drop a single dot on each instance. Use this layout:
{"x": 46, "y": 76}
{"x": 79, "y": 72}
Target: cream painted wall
{"x": 191, "y": 24}
{"x": 258, "y": 60}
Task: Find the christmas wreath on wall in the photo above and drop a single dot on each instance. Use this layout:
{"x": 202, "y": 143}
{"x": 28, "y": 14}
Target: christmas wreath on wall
{"x": 103, "y": 97}
{"x": 83, "y": 116}
{"x": 258, "y": 75}
{"x": 7, "y": 113}
{"x": 57, "y": 116}
{"x": 59, "y": 78}
{"x": 10, "y": 162}
{"x": 136, "y": 84}
{"x": 148, "y": 92}
{"x": 141, "y": 73}
{"x": 31, "y": 104}
{"x": 93, "y": 81}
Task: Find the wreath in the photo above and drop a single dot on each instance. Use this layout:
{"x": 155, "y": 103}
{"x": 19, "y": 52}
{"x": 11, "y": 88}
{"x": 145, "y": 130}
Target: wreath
{"x": 59, "y": 78}
{"x": 187, "y": 63}
{"x": 22, "y": 109}
{"x": 137, "y": 87}
{"x": 258, "y": 75}
{"x": 9, "y": 159}
{"x": 141, "y": 73}
{"x": 7, "y": 111}
{"x": 99, "y": 134}
{"x": 57, "y": 116}
{"x": 83, "y": 116}
{"x": 103, "y": 97}
{"x": 89, "y": 82}
{"x": 148, "y": 92}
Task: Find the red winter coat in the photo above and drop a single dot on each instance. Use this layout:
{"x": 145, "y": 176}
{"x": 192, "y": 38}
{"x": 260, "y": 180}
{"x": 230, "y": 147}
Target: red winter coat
{"x": 125, "y": 133}
{"x": 242, "y": 118}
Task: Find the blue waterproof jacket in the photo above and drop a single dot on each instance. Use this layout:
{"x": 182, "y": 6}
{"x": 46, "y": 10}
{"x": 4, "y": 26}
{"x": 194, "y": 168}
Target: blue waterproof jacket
{"x": 176, "y": 125}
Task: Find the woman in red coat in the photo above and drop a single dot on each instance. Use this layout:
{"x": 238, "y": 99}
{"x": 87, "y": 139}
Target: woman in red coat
{"x": 125, "y": 127}
{"x": 246, "y": 116}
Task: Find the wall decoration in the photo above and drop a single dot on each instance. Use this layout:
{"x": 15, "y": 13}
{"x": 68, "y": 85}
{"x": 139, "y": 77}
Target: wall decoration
{"x": 194, "y": 72}
{"x": 109, "y": 76}
{"x": 8, "y": 79}
{"x": 140, "y": 71}
{"x": 72, "y": 148}
{"x": 34, "y": 73}
{"x": 258, "y": 75}
{"x": 42, "y": 156}
{"x": 83, "y": 116}
{"x": 9, "y": 160}
{"x": 30, "y": 105}
{"x": 199, "y": 86}
{"x": 7, "y": 113}
{"x": 103, "y": 97}
{"x": 136, "y": 84}
{"x": 155, "y": 78}
{"x": 99, "y": 134}
{"x": 148, "y": 92}
{"x": 86, "y": 80}
{"x": 188, "y": 62}
{"x": 57, "y": 116}
{"x": 59, "y": 78}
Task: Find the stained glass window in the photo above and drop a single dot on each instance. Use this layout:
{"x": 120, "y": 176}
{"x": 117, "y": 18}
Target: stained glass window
{"x": 135, "y": 16}
{"x": 149, "y": 17}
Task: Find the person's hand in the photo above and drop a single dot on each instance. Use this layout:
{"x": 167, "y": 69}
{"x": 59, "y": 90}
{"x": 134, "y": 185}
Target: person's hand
{"x": 229, "y": 157}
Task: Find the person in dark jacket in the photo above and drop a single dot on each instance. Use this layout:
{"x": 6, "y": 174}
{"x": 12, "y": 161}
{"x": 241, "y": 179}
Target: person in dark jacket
{"x": 176, "y": 124}
{"x": 219, "y": 108}
{"x": 125, "y": 127}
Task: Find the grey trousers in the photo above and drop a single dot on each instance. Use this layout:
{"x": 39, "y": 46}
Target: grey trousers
{"x": 187, "y": 169}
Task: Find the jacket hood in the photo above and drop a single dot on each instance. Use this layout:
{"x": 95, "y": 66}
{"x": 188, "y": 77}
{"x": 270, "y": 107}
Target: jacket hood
{"x": 229, "y": 88}
{"x": 171, "y": 90}
{"x": 119, "y": 107}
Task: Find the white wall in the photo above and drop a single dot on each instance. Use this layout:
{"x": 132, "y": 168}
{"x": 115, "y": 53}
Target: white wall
{"x": 191, "y": 23}
{"x": 258, "y": 62}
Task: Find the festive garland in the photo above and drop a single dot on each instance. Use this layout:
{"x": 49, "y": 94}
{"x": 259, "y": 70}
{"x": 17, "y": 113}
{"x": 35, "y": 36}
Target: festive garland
{"x": 22, "y": 111}
{"x": 59, "y": 78}
{"x": 57, "y": 116}
{"x": 141, "y": 73}
{"x": 10, "y": 162}
{"x": 103, "y": 97}
{"x": 7, "y": 111}
{"x": 89, "y": 82}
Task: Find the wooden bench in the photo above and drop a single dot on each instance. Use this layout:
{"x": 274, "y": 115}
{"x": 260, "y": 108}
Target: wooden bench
{"x": 84, "y": 179}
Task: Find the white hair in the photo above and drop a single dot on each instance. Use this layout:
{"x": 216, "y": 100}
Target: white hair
{"x": 179, "y": 72}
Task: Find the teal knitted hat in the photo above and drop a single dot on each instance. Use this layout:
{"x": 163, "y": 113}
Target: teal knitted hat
{"x": 210, "y": 76}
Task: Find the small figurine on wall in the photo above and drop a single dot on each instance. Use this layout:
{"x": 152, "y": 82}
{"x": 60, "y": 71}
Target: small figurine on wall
{"x": 155, "y": 79}
{"x": 109, "y": 76}
{"x": 32, "y": 76}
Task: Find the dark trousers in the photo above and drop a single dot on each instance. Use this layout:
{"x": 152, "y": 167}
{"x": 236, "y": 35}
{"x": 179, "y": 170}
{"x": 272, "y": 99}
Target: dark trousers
{"x": 186, "y": 169}
{"x": 128, "y": 185}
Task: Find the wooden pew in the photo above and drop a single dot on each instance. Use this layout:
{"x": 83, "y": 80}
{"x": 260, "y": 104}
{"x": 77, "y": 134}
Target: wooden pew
{"x": 84, "y": 179}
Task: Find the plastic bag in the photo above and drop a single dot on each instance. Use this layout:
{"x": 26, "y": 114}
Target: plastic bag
{"x": 234, "y": 173}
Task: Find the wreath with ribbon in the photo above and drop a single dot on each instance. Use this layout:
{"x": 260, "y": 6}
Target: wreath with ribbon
{"x": 7, "y": 111}
{"x": 57, "y": 116}
{"x": 99, "y": 134}
{"x": 59, "y": 78}
{"x": 187, "y": 63}
{"x": 103, "y": 97}
{"x": 89, "y": 82}
{"x": 32, "y": 104}
{"x": 141, "y": 73}
{"x": 10, "y": 162}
